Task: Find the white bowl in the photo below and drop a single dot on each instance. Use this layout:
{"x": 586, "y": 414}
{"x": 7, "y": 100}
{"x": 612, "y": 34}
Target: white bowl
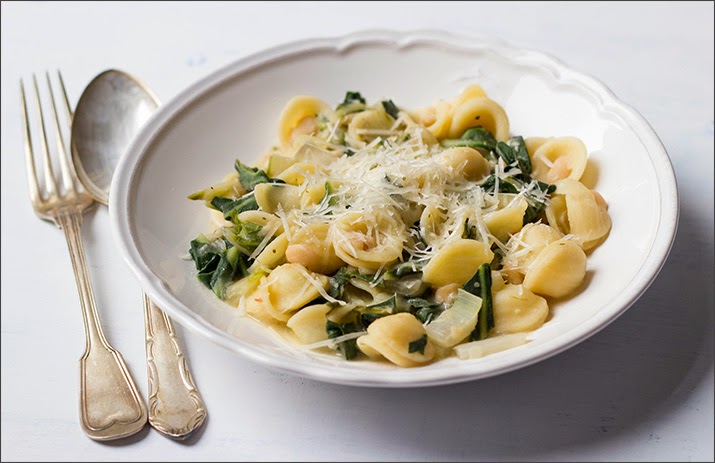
{"x": 193, "y": 141}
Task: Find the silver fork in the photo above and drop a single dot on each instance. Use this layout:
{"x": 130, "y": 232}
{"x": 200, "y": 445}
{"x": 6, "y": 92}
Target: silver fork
{"x": 110, "y": 404}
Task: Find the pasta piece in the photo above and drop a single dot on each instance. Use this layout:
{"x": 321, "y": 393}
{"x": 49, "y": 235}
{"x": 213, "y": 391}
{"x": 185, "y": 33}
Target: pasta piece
{"x": 559, "y": 158}
{"x": 516, "y": 309}
{"x": 295, "y": 174}
{"x": 528, "y": 243}
{"x": 217, "y": 220}
{"x": 437, "y": 118}
{"x": 587, "y": 213}
{"x": 557, "y": 271}
{"x": 368, "y": 243}
{"x": 272, "y": 196}
{"x": 400, "y": 338}
{"x": 504, "y": 222}
{"x": 369, "y": 124}
{"x": 290, "y": 287}
{"x": 313, "y": 193}
{"x": 482, "y": 112}
{"x": 364, "y": 293}
{"x": 456, "y": 262}
{"x": 301, "y": 113}
{"x": 431, "y": 221}
{"x": 470, "y": 92}
{"x": 556, "y": 213}
{"x": 498, "y": 282}
{"x": 263, "y": 219}
{"x": 308, "y": 323}
{"x": 466, "y": 162}
{"x": 311, "y": 247}
{"x": 242, "y": 288}
{"x": 534, "y": 143}
{"x": 273, "y": 255}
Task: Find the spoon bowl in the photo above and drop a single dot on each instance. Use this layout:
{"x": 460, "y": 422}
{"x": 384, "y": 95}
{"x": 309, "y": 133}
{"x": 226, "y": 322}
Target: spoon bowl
{"x": 110, "y": 112}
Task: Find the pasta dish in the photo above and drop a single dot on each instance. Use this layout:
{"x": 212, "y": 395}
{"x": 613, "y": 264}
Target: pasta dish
{"x": 403, "y": 235}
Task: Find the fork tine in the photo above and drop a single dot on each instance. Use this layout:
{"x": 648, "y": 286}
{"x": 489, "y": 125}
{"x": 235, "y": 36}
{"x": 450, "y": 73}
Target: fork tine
{"x": 68, "y": 108}
{"x": 29, "y": 152}
{"x": 49, "y": 173}
{"x": 64, "y": 162}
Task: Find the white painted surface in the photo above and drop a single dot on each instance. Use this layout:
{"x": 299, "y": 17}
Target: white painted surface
{"x": 642, "y": 389}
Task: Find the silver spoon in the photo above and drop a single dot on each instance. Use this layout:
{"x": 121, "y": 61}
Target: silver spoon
{"x": 110, "y": 112}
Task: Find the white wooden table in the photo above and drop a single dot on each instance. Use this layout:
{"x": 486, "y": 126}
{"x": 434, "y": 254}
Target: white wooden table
{"x": 642, "y": 389}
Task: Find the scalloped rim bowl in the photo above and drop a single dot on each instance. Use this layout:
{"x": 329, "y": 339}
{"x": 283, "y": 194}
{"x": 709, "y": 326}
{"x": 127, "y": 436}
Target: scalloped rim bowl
{"x": 193, "y": 140}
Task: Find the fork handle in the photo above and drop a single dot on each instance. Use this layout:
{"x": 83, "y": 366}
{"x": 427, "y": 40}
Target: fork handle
{"x": 110, "y": 404}
{"x": 175, "y": 406}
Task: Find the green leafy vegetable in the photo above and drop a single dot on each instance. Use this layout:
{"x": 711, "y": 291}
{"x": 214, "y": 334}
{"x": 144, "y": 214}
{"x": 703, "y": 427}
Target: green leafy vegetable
{"x": 390, "y": 108}
{"x": 521, "y": 154}
{"x": 252, "y": 176}
{"x": 232, "y": 207}
{"x": 515, "y": 153}
{"x": 329, "y": 199}
{"x": 481, "y": 285}
{"x": 352, "y": 103}
{"x": 217, "y": 263}
{"x": 506, "y": 152}
{"x": 418, "y": 345}
{"x": 246, "y": 234}
{"x": 505, "y": 186}
{"x": 337, "y": 282}
{"x": 476, "y": 137}
{"x": 424, "y": 310}
{"x": 206, "y": 256}
{"x": 227, "y": 188}
{"x": 403, "y": 269}
{"x": 347, "y": 348}
{"x": 351, "y": 97}
{"x": 536, "y": 204}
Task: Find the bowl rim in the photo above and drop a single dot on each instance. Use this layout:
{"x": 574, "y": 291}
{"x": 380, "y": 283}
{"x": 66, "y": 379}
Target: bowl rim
{"x": 128, "y": 166}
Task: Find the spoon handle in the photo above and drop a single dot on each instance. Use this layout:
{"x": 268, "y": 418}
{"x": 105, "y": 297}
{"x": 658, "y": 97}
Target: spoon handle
{"x": 175, "y": 406}
{"x": 110, "y": 404}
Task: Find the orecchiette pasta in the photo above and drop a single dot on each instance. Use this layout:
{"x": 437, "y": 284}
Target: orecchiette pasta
{"x": 483, "y": 112}
{"x": 368, "y": 243}
{"x": 586, "y": 211}
{"x": 391, "y": 337}
{"x": 300, "y": 117}
{"x": 399, "y": 235}
{"x": 517, "y": 309}
{"x": 559, "y": 158}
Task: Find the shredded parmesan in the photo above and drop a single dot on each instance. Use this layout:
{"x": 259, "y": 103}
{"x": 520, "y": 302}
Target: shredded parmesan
{"x": 334, "y": 341}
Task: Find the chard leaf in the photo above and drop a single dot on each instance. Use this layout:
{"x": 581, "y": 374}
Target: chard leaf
{"x": 504, "y": 186}
{"x": 506, "y": 152}
{"x": 217, "y": 264}
{"x": 426, "y": 311}
{"x": 252, "y": 176}
{"x": 418, "y": 345}
{"x": 475, "y": 137}
{"x": 351, "y": 97}
{"x": 481, "y": 285}
{"x": 403, "y": 269}
{"x": 353, "y": 102}
{"x": 391, "y": 108}
{"x": 206, "y": 257}
{"x": 337, "y": 282}
{"x": 347, "y": 348}
{"x": 246, "y": 234}
{"x": 521, "y": 154}
{"x": 232, "y": 207}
